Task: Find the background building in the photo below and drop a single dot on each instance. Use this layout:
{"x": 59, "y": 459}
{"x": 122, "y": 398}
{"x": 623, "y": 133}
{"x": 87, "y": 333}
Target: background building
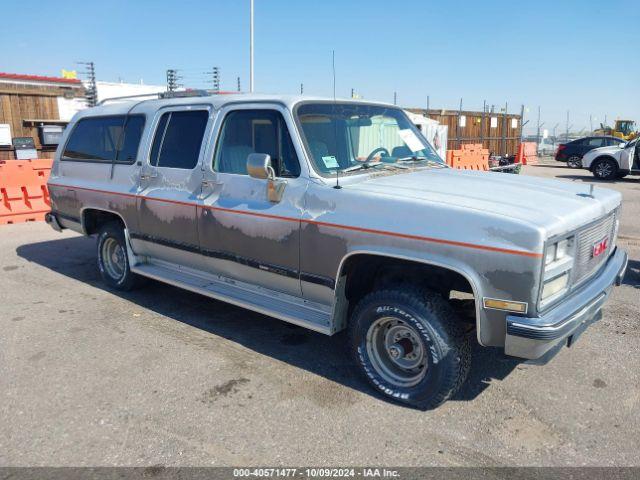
{"x": 30, "y": 105}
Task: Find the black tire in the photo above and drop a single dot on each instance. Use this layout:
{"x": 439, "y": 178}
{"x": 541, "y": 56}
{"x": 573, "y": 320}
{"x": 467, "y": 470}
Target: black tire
{"x": 111, "y": 238}
{"x": 439, "y": 338}
{"x": 604, "y": 169}
{"x": 621, "y": 174}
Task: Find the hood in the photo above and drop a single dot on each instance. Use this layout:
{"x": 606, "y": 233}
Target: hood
{"x": 556, "y": 206}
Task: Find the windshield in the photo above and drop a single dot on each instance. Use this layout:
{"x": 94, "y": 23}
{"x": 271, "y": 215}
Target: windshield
{"x": 350, "y": 137}
{"x": 626, "y": 127}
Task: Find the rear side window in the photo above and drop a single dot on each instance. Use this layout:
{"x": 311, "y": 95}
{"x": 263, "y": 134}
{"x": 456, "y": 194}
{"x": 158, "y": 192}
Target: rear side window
{"x": 595, "y": 142}
{"x": 105, "y": 139}
{"x": 178, "y": 139}
{"x": 130, "y": 140}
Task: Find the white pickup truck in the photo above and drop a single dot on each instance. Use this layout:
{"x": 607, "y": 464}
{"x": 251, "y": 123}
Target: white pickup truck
{"x": 618, "y": 161}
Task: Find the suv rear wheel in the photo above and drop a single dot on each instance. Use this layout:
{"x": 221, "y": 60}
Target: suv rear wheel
{"x": 410, "y": 346}
{"x": 604, "y": 169}
{"x": 113, "y": 262}
{"x": 574, "y": 162}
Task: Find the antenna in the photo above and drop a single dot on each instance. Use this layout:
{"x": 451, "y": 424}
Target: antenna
{"x": 333, "y": 67}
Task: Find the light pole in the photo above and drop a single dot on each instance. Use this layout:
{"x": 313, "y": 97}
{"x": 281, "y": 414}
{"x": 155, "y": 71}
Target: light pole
{"x": 251, "y": 46}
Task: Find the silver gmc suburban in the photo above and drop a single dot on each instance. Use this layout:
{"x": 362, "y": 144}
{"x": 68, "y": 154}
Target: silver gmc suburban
{"x": 339, "y": 215}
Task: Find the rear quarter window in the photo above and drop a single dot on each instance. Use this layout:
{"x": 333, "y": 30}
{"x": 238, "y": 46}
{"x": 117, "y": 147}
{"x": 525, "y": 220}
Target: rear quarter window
{"x": 105, "y": 139}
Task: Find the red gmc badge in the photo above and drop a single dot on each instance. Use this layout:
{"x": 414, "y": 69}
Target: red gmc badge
{"x": 600, "y": 247}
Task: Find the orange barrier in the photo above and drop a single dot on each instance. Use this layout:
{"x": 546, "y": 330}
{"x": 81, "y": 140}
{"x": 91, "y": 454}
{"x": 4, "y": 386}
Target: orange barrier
{"x": 23, "y": 190}
{"x": 527, "y": 153}
{"x": 470, "y": 157}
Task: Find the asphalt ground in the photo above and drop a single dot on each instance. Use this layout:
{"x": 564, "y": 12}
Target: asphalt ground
{"x": 161, "y": 376}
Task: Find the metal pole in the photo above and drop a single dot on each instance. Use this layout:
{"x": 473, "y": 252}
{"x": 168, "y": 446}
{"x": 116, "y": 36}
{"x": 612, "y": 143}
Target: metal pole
{"x": 428, "y": 101}
{"x": 458, "y": 125}
{"x": 482, "y": 122}
{"x": 301, "y": 88}
{"x": 251, "y": 46}
{"x": 538, "y": 131}
{"x": 395, "y": 98}
{"x": 590, "y": 124}
{"x": 521, "y": 123}
{"x": 504, "y": 130}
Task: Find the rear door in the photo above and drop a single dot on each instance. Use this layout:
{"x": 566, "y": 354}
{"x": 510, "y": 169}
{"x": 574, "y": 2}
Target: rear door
{"x": 591, "y": 143}
{"x": 170, "y": 183}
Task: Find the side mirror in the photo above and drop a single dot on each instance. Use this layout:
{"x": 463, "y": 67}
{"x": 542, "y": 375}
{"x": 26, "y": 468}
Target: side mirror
{"x": 622, "y": 145}
{"x": 259, "y": 166}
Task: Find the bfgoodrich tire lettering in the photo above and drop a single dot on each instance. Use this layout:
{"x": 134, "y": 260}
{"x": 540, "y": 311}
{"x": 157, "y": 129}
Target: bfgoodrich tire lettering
{"x": 113, "y": 262}
{"x": 442, "y": 340}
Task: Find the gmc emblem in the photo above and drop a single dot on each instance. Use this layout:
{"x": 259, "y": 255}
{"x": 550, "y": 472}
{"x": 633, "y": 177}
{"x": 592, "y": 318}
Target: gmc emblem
{"x": 599, "y": 247}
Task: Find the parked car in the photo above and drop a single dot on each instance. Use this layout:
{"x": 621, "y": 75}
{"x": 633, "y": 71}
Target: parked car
{"x": 546, "y": 147}
{"x": 572, "y": 152}
{"x": 608, "y": 163}
{"x": 339, "y": 216}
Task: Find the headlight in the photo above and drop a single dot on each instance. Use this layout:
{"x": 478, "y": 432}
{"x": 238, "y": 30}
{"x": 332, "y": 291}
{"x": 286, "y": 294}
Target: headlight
{"x": 554, "y": 286}
{"x": 558, "y": 262}
{"x": 562, "y": 250}
{"x": 558, "y": 251}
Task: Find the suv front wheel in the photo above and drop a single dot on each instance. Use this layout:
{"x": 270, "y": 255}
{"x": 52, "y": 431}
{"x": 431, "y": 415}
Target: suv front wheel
{"x": 410, "y": 346}
{"x": 113, "y": 262}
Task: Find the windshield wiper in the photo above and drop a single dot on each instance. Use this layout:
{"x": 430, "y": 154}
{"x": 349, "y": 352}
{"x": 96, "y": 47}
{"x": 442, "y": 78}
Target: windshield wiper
{"x": 364, "y": 166}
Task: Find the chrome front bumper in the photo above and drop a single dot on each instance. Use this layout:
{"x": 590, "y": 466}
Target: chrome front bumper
{"x": 536, "y": 337}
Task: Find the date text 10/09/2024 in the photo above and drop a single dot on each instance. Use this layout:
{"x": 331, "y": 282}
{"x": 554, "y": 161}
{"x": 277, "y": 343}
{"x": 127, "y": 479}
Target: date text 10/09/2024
{"x": 316, "y": 472}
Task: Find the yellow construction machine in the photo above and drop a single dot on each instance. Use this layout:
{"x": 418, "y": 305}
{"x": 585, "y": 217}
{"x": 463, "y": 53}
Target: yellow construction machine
{"x": 625, "y": 129}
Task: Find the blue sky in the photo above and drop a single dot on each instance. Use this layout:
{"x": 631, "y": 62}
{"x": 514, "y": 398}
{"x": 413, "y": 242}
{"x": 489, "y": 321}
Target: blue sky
{"x": 580, "y": 56}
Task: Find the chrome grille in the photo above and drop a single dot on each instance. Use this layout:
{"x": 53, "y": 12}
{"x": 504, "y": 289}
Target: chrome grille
{"x": 586, "y": 264}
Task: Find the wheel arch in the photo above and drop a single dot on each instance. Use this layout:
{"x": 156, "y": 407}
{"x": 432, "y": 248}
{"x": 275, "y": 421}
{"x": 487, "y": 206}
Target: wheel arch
{"x": 342, "y": 295}
{"x": 92, "y": 218}
{"x": 602, "y": 157}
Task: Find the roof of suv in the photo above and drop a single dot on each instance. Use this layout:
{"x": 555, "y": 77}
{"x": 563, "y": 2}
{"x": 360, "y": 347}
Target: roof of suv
{"x": 123, "y": 106}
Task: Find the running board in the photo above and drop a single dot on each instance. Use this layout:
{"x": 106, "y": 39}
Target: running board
{"x": 285, "y": 307}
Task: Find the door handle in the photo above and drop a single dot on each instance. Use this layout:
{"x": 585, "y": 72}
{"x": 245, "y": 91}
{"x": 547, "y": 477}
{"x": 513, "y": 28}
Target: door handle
{"x": 147, "y": 176}
{"x": 210, "y": 183}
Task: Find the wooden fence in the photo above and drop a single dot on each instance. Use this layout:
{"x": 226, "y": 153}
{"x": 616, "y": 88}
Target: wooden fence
{"x": 498, "y": 132}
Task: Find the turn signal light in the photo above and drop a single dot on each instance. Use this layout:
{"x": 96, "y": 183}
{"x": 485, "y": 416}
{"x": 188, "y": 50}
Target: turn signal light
{"x": 509, "y": 306}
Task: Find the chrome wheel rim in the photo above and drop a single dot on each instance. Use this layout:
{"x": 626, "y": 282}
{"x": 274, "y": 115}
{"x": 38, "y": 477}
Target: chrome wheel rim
{"x": 574, "y": 162}
{"x": 113, "y": 258}
{"x": 603, "y": 169}
{"x": 397, "y": 352}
